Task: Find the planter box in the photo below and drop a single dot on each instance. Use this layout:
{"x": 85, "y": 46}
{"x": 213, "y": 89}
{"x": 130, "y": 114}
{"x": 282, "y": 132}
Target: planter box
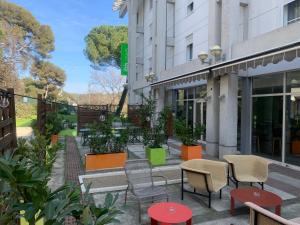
{"x": 156, "y": 156}
{"x": 191, "y": 152}
{"x": 296, "y": 147}
{"x": 54, "y": 139}
{"x": 105, "y": 161}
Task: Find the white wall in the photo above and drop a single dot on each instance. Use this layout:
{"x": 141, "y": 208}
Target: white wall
{"x": 196, "y": 24}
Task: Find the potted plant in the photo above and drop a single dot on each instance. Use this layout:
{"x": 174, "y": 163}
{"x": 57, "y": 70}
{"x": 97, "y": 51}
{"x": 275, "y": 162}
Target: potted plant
{"x": 107, "y": 147}
{"x": 54, "y": 124}
{"x": 188, "y": 135}
{"x": 153, "y": 137}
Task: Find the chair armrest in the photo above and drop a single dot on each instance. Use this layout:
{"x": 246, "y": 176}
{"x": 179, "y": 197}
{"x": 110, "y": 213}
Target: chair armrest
{"x": 257, "y": 209}
{"x": 195, "y": 170}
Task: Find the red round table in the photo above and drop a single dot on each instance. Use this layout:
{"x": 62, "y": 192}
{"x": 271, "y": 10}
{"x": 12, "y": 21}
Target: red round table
{"x": 257, "y": 196}
{"x": 170, "y": 213}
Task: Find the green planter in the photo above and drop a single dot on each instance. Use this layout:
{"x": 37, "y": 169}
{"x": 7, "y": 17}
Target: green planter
{"x": 156, "y": 156}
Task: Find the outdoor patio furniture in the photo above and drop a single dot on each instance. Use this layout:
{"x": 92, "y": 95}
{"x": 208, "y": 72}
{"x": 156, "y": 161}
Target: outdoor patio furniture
{"x": 141, "y": 183}
{"x": 261, "y": 216}
{"x": 255, "y": 195}
{"x": 204, "y": 175}
{"x": 247, "y": 168}
{"x": 134, "y": 134}
{"x": 170, "y": 213}
{"x": 85, "y": 132}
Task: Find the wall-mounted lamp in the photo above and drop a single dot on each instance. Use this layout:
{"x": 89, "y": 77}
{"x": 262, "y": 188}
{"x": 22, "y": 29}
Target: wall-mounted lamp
{"x": 151, "y": 77}
{"x": 215, "y": 51}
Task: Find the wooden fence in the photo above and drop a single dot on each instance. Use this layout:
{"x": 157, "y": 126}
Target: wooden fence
{"x": 133, "y": 114}
{"x": 8, "y": 136}
{"x": 44, "y": 107}
{"x": 88, "y": 114}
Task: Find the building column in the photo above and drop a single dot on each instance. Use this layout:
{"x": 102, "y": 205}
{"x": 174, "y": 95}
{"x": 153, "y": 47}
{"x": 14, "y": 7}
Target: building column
{"x": 246, "y": 126}
{"x": 228, "y": 115}
{"x": 160, "y": 99}
{"x": 212, "y": 117}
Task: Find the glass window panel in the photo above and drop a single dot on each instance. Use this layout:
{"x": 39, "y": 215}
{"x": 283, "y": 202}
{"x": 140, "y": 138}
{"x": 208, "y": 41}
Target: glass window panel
{"x": 191, "y": 93}
{"x": 201, "y": 91}
{"x": 292, "y": 145}
{"x": 267, "y": 126}
{"x": 268, "y": 84}
{"x": 293, "y": 82}
{"x": 180, "y": 95}
{"x": 181, "y": 110}
{"x": 190, "y": 113}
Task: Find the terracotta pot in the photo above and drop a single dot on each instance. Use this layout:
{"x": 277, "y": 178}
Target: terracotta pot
{"x": 191, "y": 152}
{"x": 105, "y": 161}
{"x": 54, "y": 139}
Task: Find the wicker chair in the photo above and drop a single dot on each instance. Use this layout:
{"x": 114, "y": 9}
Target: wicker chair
{"x": 204, "y": 175}
{"x": 261, "y": 216}
{"x": 248, "y": 168}
{"x": 141, "y": 183}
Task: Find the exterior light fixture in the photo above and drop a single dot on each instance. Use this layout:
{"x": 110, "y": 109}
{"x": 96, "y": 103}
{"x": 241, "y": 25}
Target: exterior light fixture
{"x": 102, "y": 118}
{"x": 215, "y": 51}
{"x": 203, "y": 57}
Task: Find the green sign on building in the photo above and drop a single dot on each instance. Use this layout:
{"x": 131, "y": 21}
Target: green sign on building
{"x": 124, "y": 59}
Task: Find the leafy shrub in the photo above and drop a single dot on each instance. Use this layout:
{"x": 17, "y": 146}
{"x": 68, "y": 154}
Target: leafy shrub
{"x": 25, "y": 110}
{"x": 188, "y": 134}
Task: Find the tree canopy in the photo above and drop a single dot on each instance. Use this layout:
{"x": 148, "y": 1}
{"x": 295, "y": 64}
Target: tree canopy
{"x": 103, "y": 45}
{"x": 48, "y": 78}
{"x": 22, "y": 40}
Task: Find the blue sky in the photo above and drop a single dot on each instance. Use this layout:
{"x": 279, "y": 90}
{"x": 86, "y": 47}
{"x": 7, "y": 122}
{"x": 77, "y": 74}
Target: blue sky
{"x": 71, "y": 21}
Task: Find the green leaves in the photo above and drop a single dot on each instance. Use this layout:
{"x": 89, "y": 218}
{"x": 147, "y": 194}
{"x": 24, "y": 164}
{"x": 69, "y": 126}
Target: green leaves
{"x": 187, "y": 134}
{"x": 103, "y": 45}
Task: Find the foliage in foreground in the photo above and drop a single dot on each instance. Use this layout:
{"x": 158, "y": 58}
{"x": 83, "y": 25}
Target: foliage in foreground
{"x": 23, "y": 188}
{"x": 188, "y": 134}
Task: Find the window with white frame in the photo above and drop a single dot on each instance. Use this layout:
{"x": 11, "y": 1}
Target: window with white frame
{"x": 292, "y": 12}
{"x": 190, "y": 8}
{"x": 189, "y": 47}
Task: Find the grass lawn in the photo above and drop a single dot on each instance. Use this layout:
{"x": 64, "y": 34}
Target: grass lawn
{"x": 25, "y": 122}
{"x": 68, "y": 132}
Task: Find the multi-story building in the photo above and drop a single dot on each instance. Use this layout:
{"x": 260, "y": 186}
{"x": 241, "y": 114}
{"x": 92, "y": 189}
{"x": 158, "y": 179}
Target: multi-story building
{"x": 232, "y": 65}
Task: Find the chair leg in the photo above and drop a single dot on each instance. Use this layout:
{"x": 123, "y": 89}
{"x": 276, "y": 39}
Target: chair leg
{"x": 140, "y": 213}
{"x": 251, "y": 184}
{"x": 194, "y": 190}
{"x": 126, "y": 194}
{"x": 262, "y": 185}
{"x": 236, "y": 184}
{"x": 181, "y": 184}
{"x": 221, "y": 194}
{"x": 228, "y": 176}
{"x": 209, "y": 199}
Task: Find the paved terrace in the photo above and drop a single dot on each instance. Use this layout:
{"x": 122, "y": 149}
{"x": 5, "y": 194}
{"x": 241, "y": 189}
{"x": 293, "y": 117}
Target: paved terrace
{"x": 283, "y": 181}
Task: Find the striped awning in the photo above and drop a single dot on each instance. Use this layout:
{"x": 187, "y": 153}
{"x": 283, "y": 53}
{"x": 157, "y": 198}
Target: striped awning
{"x": 184, "y": 79}
{"x": 286, "y": 53}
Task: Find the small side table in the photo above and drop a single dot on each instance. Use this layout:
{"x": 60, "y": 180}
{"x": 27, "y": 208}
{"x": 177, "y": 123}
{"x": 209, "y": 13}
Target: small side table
{"x": 257, "y": 196}
{"x": 167, "y": 213}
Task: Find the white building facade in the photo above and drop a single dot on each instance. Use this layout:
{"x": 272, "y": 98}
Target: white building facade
{"x": 248, "y": 95}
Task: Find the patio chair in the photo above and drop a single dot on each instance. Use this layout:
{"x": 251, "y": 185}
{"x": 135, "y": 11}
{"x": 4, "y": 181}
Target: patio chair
{"x": 247, "y": 168}
{"x": 141, "y": 184}
{"x": 261, "y": 216}
{"x": 204, "y": 175}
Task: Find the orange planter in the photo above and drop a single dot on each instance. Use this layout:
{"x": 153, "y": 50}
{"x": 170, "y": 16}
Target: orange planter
{"x": 104, "y": 161}
{"x": 54, "y": 139}
{"x": 191, "y": 152}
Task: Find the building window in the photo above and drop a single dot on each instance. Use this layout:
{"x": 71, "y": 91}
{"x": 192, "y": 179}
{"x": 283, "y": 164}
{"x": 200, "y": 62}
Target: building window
{"x": 190, "y": 8}
{"x": 189, "y": 52}
{"x": 293, "y": 12}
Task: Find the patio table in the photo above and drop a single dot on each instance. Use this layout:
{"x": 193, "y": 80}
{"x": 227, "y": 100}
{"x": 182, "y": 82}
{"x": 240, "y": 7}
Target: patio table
{"x": 170, "y": 213}
{"x": 257, "y": 196}
{"x": 134, "y": 133}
